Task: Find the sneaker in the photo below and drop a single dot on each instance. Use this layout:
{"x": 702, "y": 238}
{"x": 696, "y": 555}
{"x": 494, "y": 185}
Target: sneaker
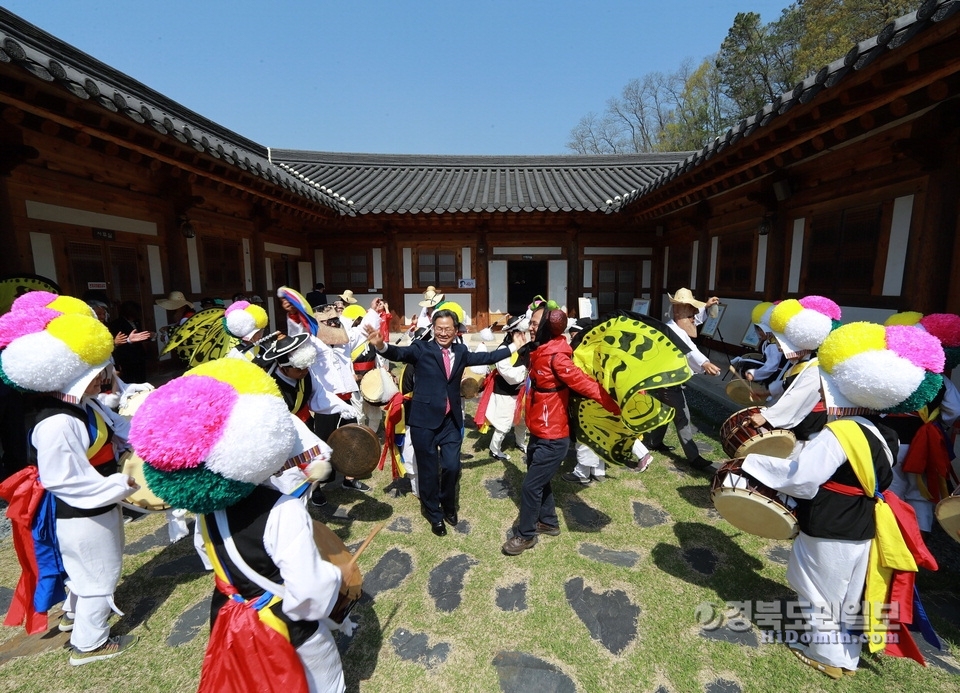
{"x": 356, "y": 485}
{"x": 317, "y": 499}
{"x": 599, "y": 479}
{"x": 516, "y": 545}
{"x": 499, "y": 456}
{"x": 644, "y": 464}
{"x": 111, "y": 648}
{"x": 574, "y": 479}
{"x": 549, "y": 530}
{"x": 66, "y": 623}
{"x": 833, "y": 672}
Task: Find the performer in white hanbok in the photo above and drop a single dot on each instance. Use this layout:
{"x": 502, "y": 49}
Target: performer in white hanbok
{"x": 503, "y": 388}
{"x": 260, "y": 541}
{"x": 56, "y": 346}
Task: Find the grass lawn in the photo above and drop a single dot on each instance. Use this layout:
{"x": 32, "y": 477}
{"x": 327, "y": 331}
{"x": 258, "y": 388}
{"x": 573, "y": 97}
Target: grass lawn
{"x": 691, "y": 559}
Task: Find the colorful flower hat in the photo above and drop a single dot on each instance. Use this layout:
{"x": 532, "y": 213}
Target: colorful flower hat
{"x": 943, "y": 326}
{"x": 891, "y": 369}
{"x": 52, "y": 343}
{"x": 298, "y": 301}
{"x": 802, "y": 325}
{"x": 210, "y": 436}
{"x": 760, "y": 315}
{"x": 243, "y": 319}
{"x": 353, "y": 311}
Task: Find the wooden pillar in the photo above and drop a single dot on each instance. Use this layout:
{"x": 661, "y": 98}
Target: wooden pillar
{"x": 574, "y": 268}
{"x": 481, "y": 295}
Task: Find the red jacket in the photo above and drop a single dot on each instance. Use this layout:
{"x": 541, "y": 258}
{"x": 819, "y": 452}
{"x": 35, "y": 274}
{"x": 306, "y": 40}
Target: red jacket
{"x": 552, "y": 376}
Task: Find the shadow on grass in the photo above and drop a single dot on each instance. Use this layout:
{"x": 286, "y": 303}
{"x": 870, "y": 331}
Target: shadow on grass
{"x": 707, "y": 557}
{"x": 697, "y": 496}
{"x": 360, "y": 652}
{"x": 149, "y": 586}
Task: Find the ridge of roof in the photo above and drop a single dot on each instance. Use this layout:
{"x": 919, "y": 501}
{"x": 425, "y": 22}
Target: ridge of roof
{"x": 49, "y": 59}
{"x": 474, "y": 160}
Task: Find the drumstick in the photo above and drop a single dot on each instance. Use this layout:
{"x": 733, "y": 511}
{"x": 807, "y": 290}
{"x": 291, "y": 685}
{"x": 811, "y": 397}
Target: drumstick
{"x": 366, "y": 542}
{"x": 753, "y": 397}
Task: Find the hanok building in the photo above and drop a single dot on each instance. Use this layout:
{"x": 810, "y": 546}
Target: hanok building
{"x": 847, "y": 187}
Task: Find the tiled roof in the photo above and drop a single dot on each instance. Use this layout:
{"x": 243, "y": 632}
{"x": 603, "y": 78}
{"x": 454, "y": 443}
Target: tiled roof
{"x": 51, "y": 60}
{"x": 894, "y": 35}
{"x": 409, "y": 184}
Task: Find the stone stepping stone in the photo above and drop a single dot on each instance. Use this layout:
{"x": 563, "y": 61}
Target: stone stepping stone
{"x": 415, "y": 647}
{"x": 402, "y": 525}
{"x": 624, "y": 559}
{"x": 648, "y": 516}
{"x": 498, "y": 489}
{"x": 189, "y": 564}
{"x": 23, "y": 645}
{"x": 735, "y": 635}
{"x": 523, "y": 673}
{"x": 446, "y": 581}
{"x": 722, "y": 686}
{"x": 190, "y": 624}
{"x": 158, "y": 538}
{"x": 936, "y": 658}
{"x": 463, "y": 527}
{"x": 609, "y": 616}
{"x": 943, "y": 606}
{"x": 512, "y": 598}
{"x": 779, "y": 554}
{"x": 6, "y": 596}
{"x": 702, "y": 560}
{"x": 584, "y": 516}
{"x": 391, "y": 570}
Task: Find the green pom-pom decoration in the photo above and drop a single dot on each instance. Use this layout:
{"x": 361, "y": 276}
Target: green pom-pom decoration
{"x": 552, "y": 305}
{"x": 197, "y": 489}
{"x": 928, "y": 389}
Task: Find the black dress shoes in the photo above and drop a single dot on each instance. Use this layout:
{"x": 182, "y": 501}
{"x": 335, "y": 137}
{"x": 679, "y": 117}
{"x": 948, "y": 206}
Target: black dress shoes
{"x": 451, "y": 519}
{"x": 439, "y": 528}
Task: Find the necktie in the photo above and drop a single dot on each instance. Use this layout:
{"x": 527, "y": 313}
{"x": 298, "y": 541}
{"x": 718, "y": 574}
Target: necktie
{"x": 446, "y": 365}
{"x": 446, "y": 361}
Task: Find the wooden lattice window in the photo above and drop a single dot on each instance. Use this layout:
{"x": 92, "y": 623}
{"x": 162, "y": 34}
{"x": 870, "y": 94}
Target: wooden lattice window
{"x": 735, "y": 262}
{"x": 841, "y": 253}
{"x": 348, "y": 270}
{"x": 437, "y": 267}
{"x": 616, "y": 284}
{"x": 222, "y": 266}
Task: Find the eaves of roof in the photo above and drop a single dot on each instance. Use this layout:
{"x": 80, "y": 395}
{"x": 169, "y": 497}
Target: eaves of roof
{"x": 411, "y": 184}
{"x": 51, "y": 60}
{"x": 894, "y": 35}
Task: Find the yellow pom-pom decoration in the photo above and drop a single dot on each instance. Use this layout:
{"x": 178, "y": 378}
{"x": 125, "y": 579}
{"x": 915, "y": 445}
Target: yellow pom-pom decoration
{"x": 243, "y": 376}
{"x": 86, "y": 336}
{"x": 758, "y": 310}
{"x": 353, "y": 312}
{"x": 783, "y": 312}
{"x": 259, "y": 316}
{"x": 850, "y": 340}
{"x": 71, "y": 306}
{"x": 909, "y": 317}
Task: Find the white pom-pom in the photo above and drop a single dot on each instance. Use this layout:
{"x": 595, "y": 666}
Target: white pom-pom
{"x": 808, "y": 328}
{"x": 41, "y": 363}
{"x": 486, "y": 334}
{"x": 877, "y": 379}
{"x": 240, "y": 323}
{"x": 256, "y": 441}
{"x": 304, "y": 357}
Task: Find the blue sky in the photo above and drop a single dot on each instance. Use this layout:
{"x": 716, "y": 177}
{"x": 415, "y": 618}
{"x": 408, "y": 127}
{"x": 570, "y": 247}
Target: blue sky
{"x": 481, "y": 77}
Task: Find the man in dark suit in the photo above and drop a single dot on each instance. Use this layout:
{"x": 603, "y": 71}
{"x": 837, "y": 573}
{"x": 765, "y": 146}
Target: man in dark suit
{"x": 435, "y": 424}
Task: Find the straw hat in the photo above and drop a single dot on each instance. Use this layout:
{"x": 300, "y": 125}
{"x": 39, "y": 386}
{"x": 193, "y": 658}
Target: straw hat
{"x": 431, "y": 298}
{"x": 347, "y": 297}
{"x": 685, "y": 296}
{"x": 174, "y": 300}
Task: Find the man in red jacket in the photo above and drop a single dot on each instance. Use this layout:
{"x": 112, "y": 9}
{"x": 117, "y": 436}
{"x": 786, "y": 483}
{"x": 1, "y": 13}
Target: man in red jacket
{"x": 552, "y": 375}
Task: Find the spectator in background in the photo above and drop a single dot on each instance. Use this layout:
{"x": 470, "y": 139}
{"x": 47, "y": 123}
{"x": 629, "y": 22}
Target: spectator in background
{"x": 129, "y": 356}
{"x": 317, "y": 297}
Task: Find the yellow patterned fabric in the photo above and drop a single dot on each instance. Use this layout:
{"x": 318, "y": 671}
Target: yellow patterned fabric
{"x": 888, "y": 550}
{"x": 628, "y": 357}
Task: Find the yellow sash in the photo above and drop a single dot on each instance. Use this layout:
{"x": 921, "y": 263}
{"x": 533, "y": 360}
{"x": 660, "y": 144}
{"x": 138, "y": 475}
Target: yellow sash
{"x": 97, "y": 442}
{"x": 267, "y": 617}
{"x": 888, "y": 550}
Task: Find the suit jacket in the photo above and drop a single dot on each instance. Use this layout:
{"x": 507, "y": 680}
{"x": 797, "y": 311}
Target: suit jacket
{"x": 432, "y": 389}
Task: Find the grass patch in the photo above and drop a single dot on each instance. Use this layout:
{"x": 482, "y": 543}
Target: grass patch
{"x": 667, "y": 651}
